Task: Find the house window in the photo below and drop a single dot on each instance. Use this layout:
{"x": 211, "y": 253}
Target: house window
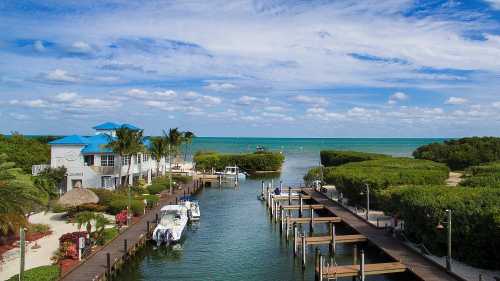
{"x": 138, "y": 158}
{"x": 107, "y": 160}
{"x": 145, "y": 158}
{"x": 89, "y": 160}
{"x": 125, "y": 160}
{"x": 106, "y": 182}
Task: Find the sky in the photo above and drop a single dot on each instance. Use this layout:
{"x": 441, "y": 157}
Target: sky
{"x": 272, "y": 68}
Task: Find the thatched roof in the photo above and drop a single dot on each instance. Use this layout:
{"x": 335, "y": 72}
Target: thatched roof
{"x": 78, "y": 196}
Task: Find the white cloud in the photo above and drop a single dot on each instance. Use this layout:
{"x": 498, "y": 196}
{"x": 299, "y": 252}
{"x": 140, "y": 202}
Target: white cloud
{"x": 81, "y": 47}
{"x": 496, "y": 104}
{"x": 218, "y": 87}
{"x": 397, "y": 97}
{"x": 36, "y": 103}
{"x": 19, "y": 116}
{"x": 310, "y": 99}
{"x": 65, "y": 97}
{"x": 59, "y": 75}
{"x": 275, "y": 108}
{"x": 494, "y": 3}
{"x": 39, "y": 46}
{"x": 248, "y": 100}
{"x": 456, "y": 101}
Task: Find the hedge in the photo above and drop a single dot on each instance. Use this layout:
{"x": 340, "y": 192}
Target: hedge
{"x": 475, "y": 220}
{"x": 483, "y": 175}
{"x": 339, "y": 157}
{"x": 350, "y": 179}
{"x": 118, "y": 204}
{"x": 41, "y": 273}
{"x": 462, "y": 153}
{"x": 250, "y": 162}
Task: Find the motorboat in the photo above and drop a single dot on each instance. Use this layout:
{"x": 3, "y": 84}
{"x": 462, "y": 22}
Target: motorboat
{"x": 192, "y": 206}
{"x": 232, "y": 172}
{"x": 172, "y": 225}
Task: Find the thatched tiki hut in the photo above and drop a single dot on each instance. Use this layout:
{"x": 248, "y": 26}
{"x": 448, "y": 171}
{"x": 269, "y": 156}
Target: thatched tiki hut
{"x": 77, "y": 197}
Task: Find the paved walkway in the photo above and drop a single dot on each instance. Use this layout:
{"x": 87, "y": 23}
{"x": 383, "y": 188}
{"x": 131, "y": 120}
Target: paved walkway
{"x": 420, "y": 266}
{"x": 95, "y": 266}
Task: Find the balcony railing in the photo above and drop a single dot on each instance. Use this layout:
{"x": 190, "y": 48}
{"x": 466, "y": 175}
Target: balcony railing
{"x": 36, "y": 169}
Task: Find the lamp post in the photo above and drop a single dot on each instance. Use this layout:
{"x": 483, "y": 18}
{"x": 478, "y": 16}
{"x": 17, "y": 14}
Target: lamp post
{"x": 367, "y": 187}
{"x": 448, "y": 226}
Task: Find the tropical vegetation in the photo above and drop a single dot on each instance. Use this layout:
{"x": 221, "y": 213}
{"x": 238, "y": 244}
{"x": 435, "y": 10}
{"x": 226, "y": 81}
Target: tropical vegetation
{"x": 24, "y": 151}
{"x": 461, "y": 153}
{"x": 340, "y": 157}
{"x": 19, "y": 196}
{"x": 351, "y": 179}
{"x": 484, "y": 175}
{"x": 41, "y": 273}
{"x": 475, "y": 220}
{"x": 250, "y": 162}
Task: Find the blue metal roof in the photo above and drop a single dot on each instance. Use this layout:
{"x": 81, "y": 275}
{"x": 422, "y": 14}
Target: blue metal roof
{"x": 114, "y": 126}
{"x": 97, "y": 144}
{"x": 73, "y": 139}
{"x": 107, "y": 126}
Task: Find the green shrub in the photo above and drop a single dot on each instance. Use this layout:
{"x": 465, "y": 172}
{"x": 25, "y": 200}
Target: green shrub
{"x": 90, "y": 207}
{"x": 462, "y": 153}
{"x": 350, "y": 179}
{"x": 250, "y": 162}
{"x": 38, "y": 228}
{"x": 475, "y": 220}
{"x": 339, "y": 157}
{"x": 313, "y": 174}
{"x": 108, "y": 235}
{"x": 42, "y": 273}
{"x": 156, "y": 188}
{"x": 119, "y": 204}
{"x": 484, "y": 175}
{"x": 24, "y": 151}
{"x": 151, "y": 200}
{"x": 105, "y": 195}
{"x": 57, "y": 208}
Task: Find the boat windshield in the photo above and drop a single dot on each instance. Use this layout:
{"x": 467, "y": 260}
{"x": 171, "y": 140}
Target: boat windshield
{"x": 169, "y": 216}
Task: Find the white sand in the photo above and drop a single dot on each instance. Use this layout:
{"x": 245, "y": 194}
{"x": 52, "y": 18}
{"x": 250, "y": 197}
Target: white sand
{"x": 48, "y": 245}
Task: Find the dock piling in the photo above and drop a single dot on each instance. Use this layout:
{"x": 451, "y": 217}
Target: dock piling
{"x": 301, "y": 205}
{"x": 289, "y": 195}
{"x": 108, "y": 265}
{"x": 320, "y": 267}
{"x": 362, "y": 266}
{"x": 311, "y": 223}
{"x": 303, "y": 250}
{"x": 148, "y": 227}
{"x": 355, "y": 254}
{"x": 125, "y": 246}
{"x": 316, "y": 263}
{"x": 295, "y": 237}
{"x": 282, "y": 221}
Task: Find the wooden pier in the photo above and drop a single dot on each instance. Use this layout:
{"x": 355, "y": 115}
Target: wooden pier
{"x": 304, "y": 207}
{"x": 103, "y": 264}
{"x": 314, "y": 220}
{"x": 406, "y": 257}
{"x": 327, "y": 239}
{"x": 332, "y": 272}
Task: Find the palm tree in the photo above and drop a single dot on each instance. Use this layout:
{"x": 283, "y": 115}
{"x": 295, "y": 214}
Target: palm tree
{"x": 85, "y": 218}
{"x": 158, "y": 149}
{"x": 127, "y": 143}
{"x": 188, "y": 140}
{"x": 19, "y": 196}
{"x": 174, "y": 140}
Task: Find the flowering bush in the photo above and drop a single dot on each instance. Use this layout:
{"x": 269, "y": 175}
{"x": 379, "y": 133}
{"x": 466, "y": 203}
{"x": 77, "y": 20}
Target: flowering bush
{"x": 121, "y": 218}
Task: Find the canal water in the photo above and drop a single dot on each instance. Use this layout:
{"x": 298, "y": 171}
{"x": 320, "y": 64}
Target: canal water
{"x": 236, "y": 240}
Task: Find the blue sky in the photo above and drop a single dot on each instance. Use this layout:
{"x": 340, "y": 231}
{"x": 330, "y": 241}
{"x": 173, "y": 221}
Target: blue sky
{"x": 252, "y": 68}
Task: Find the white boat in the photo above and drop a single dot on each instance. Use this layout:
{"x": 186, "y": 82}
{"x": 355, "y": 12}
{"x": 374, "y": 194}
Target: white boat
{"x": 173, "y": 221}
{"x": 193, "y": 208}
{"x": 232, "y": 172}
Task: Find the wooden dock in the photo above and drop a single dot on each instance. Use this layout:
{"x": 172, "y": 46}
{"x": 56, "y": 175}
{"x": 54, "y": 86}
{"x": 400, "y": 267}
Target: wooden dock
{"x": 413, "y": 261}
{"x": 103, "y": 264}
{"x": 304, "y": 207}
{"x": 293, "y": 197}
{"x": 315, "y": 220}
{"x": 324, "y": 240}
{"x": 332, "y": 272}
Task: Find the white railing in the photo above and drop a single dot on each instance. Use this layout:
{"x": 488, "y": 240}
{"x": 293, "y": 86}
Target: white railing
{"x": 36, "y": 169}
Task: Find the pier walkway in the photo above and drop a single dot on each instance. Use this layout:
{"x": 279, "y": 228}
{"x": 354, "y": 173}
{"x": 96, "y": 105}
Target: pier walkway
{"x": 420, "y": 266}
{"x": 96, "y": 266}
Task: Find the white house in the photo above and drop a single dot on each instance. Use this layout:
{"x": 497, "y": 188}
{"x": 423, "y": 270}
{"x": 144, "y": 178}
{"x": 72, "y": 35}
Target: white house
{"x": 90, "y": 163}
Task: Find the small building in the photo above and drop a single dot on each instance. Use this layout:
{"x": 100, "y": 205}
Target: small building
{"x": 90, "y": 163}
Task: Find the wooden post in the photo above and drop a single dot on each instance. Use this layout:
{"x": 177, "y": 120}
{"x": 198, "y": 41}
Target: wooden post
{"x": 268, "y": 195}
{"x": 108, "y": 266}
{"x": 355, "y": 254}
{"x": 295, "y": 237}
{"x": 262, "y": 189}
{"x": 176, "y": 200}
{"x": 282, "y": 221}
{"x": 362, "y": 266}
{"x": 316, "y": 263}
{"x": 301, "y": 205}
{"x": 148, "y": 228}
{"x": 320, "y": 267}
{"x": 311, "y": 223}
{"x": 303, "y": 250}
{"x": 125, "y": 246}
{"x": 378, "y": 222}
{"x": 287, "y": 228}
{"x": 333, "y": 242}
{"x": 289, "y": 195}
